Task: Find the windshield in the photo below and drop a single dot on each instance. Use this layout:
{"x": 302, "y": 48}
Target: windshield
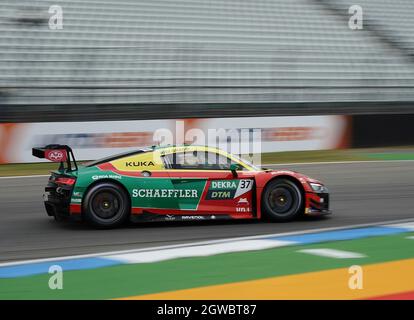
{"x": 246, "y": 162}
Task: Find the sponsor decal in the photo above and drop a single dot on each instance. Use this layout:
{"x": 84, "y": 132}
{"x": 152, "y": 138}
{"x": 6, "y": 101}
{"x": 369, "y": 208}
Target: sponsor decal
{"x": 177, "y": 217}
{"x": 243, "y": 201}
{"x": 139, "y": 164}
{"x": 242, "y": 209}
{"x": 164, "y": 193}
{"x": 193, "y": 217}
{"x": 224, "y": 184}
{"x": 220, "y": 195}
{"x": 106, "y": 176}
{"x": 88, "y": 140}
{"x": 293, "y": 133}
{"x": 142, "y": 161}
{"x": 228, "y": 189}
{"x": 76, "y": 200}
{"x": 56, "y": 155}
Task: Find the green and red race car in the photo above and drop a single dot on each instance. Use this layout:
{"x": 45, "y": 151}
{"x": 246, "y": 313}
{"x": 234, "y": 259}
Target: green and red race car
{"x": 175, "y": 183}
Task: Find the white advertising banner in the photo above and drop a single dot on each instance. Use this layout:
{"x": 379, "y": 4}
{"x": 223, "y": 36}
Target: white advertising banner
{"x": 93, "y": 140}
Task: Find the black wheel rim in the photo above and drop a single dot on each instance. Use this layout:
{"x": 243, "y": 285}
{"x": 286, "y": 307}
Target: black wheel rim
{"x": 106, "y": 204}
{"x": 281, "y": 200}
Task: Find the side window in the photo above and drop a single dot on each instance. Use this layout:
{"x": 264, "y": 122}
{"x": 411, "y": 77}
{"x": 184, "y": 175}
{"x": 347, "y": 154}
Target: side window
{"x": 197, "y": 160}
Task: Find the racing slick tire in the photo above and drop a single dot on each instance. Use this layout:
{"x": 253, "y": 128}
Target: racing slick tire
{"x": 282, "y": 200}
{"x": 106, "y": 205}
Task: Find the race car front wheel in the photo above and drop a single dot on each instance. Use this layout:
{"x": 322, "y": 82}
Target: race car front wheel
{"x": 282, "y": 200}
{"x": 106, "y": 205}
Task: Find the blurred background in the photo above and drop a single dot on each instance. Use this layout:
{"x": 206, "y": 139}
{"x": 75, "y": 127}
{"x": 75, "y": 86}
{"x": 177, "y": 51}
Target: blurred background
{"x": 91, "y": 60}
{"x": 166, "y": 58}
{"x": 324, "y": 81}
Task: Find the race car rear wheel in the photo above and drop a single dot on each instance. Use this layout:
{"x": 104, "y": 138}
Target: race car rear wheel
{"x": 106, "y": 205}
{"x": 282, "y": 200}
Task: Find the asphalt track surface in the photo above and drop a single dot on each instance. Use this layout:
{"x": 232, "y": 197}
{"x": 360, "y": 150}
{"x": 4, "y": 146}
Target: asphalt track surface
{"x": 361, "y": 193}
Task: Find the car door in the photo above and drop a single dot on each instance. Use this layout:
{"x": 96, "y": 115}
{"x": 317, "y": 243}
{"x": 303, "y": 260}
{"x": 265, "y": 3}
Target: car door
{"x": 213, "y": 187}
{"x": 148, "y": 182}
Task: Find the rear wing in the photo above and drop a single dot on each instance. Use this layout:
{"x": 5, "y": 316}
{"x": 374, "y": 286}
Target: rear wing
{"x": 57, "y": 153}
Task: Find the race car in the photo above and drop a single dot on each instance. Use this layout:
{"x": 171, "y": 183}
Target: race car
{"x": 175, "y": 183}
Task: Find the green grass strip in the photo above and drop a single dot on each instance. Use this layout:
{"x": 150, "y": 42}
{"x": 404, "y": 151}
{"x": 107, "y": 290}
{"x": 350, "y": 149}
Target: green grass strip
{"x": 391, "y": 156}
{"x": 313, "y": 156}
{"x": 27, "y": 169}
{"x": 136, "y": 279}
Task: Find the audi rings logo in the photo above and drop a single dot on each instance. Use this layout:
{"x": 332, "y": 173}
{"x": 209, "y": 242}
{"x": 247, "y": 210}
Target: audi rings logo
{"x": 56, "y": 155}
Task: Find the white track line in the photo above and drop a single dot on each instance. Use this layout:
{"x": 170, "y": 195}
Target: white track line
{"x": 92, "y": 255}
{"x": 333, "y": 253}
{"x": 199, "y": 251}
{"x": 406, "y": 226}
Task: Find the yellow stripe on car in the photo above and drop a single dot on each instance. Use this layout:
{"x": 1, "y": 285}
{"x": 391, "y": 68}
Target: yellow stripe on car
{"x": 152, "y": 161}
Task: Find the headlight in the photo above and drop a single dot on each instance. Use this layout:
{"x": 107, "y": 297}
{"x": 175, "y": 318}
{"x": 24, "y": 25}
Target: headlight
{"x": 319, "y": 188}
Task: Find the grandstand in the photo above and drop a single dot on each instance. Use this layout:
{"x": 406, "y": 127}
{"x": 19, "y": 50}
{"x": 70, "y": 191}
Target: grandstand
{"x": 392, "y": 19}
{"x": 212, "y": 53}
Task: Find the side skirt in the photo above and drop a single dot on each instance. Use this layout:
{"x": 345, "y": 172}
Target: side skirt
{"x": 154, "y": 217}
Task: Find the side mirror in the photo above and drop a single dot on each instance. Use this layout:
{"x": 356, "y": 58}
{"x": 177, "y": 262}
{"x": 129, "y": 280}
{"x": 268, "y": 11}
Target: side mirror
{"x": 233, "y": 169}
